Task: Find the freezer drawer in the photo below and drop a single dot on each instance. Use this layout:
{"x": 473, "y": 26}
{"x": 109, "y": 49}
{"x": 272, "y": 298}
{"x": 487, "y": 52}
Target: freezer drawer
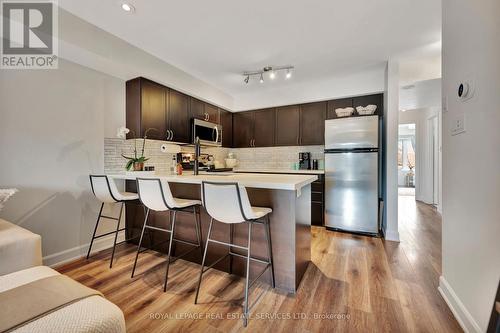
{"x": 351, "y": 133}
{"x": 351, "y": 191}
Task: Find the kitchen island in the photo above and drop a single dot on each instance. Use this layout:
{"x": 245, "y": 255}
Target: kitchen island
{"x": 288, "y": 195}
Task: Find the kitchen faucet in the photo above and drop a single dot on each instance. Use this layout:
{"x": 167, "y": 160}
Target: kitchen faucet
{"x": 197, "y": 151}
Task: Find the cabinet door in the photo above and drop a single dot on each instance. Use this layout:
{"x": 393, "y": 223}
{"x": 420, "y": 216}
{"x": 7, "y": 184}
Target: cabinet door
{"x": 226, "y": 120}
{"x": 312, "y": 123}
{"x": 288, "y": 125}
{"x": 178, "y": 116}
{"x": 336, "y": 104}
{"x": 212, "y": 113}
{"x": 264, "y": 126}
{"x": 242, "y": 129}
{"x": 197, "y": 108}
{"x": 153, "y": 112}
{"x": 377, "y": 100}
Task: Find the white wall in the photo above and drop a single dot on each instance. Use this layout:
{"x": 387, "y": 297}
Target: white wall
{"x": 52, "y": 134}
{"x": 471, "y": 160}
{"x": 90, "y": 46}
{"x": 424, "y": 94}
{"x": 363, "y": 82}
{"x": 391, "y": 123}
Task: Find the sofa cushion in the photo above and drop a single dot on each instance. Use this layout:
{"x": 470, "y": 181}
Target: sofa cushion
{"x": 19, "y": 248}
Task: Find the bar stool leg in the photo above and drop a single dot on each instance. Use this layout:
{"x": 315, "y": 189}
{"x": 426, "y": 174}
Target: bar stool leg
{"x": 270, "y": 249}
{"x": 245, "y": 306}
{"x": 198, "y": 230}
{"x": 116, "y": 234}
{"x": 140, "y": 242}
{"x": 95, "y": 229}
{"x": 231, "y": 237}
{"x": 203, "y": 261}
{"x": 170, "y": 250}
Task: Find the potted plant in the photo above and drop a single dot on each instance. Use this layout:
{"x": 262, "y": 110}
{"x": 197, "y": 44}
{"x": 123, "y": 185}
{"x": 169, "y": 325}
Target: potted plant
{"x": 137, "y": 161}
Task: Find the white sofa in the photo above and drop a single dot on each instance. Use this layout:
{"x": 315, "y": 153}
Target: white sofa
{"x": 20, "y": 264}
{"x": 19, "y": 248}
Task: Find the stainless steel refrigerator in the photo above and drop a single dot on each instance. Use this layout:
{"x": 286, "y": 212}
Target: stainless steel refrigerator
{"x": 352, "y": 174}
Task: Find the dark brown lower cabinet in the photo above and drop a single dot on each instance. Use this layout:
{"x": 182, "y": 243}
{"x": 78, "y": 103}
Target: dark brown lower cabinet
{"x": 318, "y": 201}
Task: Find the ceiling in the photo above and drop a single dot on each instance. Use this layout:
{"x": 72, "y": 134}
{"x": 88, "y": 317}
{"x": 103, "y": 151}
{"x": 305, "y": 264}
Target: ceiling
{"x": 216, "y": 41}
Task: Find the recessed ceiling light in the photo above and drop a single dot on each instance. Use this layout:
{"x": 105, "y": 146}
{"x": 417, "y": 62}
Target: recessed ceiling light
{"x": 127, "y": 7}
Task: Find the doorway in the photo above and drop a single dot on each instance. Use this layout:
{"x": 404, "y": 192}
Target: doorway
{"x": 407, "y": 172}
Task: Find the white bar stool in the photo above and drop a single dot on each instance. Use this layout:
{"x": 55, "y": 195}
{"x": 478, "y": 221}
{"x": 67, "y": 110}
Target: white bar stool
{"x": 156, "y": 196}
{"x": 106, "y": 191}
{"x": 229, "y": 203}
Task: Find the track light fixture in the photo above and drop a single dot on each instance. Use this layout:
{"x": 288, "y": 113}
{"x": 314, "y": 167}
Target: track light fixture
{"x": 272, "y": 73}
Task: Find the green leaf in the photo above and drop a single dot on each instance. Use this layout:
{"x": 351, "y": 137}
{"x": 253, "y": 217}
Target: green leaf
{"x": 129, "y": 164}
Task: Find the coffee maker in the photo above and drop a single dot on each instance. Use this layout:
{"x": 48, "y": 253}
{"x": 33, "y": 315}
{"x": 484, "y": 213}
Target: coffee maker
{"x": 305, "y": 161}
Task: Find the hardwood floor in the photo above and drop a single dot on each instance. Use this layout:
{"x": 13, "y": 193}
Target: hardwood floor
{"x": 353, "y": 284}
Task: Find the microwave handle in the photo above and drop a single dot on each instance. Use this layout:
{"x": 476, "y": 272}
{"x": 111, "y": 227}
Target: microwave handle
{"x": 216, "y": 134}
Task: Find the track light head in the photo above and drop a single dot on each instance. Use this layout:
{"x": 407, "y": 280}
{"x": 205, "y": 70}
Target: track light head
{"x": 272, "y": 75}
{"x": 247, "y": 79}
{"x": 288, "y": 74}
{"x": 261, "y": 78}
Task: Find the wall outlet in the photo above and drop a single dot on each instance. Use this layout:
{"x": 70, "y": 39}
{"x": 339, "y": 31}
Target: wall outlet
{"x": 458, "y": 124}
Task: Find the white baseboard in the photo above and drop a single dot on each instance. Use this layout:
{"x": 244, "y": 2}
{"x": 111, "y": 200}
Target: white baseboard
{"x": 463, "y": 316}
{"x": 391, "y": 235}
{"x": 65, "y": 256}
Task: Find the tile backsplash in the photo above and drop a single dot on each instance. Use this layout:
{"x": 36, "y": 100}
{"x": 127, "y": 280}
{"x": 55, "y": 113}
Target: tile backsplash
{"x": 274, "y": 157}
{"x": 115, "y": 163}
{"x": 248, "y": 158}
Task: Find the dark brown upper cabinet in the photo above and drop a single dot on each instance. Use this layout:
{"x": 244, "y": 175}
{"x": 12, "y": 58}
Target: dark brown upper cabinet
{"x": 264, "y": 127}
{"x": 377, "y": 100}
{"x": 145, "y": 108}
{"x": 178, "y": 116}
{"x": 212, "y": 113}
{"x": 338, "y": 104}
{"x": 288, "y": 126}
{"x": 226, "y": 120}
{"x": 242, "y": 129}
{"x": 312, "y": 123}
{"x": 204, "y": 111}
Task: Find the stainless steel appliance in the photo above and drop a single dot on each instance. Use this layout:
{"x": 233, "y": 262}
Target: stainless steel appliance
{"x": 210, "y": 134}
{"x": 352, "y": 174}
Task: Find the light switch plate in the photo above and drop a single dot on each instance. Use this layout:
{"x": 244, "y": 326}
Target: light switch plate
{"x": 458, "y": 124}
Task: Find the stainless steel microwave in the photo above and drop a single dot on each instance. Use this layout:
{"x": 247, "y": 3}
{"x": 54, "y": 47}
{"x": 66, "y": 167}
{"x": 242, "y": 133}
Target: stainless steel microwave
{"x": 210, "y": 134}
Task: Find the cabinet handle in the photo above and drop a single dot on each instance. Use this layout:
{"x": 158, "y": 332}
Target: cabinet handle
{"x": 168, "y": 135}
{"x": 172, "y": 136}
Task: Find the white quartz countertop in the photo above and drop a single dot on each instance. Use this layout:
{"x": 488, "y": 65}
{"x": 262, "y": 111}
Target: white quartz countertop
{"x": 255, "y": 180}
{"x": 285, "y": 171}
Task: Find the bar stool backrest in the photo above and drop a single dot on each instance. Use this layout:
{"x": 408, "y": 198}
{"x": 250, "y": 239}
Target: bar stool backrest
{"x": 226, "y": 202}
{"x": 103, "y": 188}
{"x": 155, "y": 194}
